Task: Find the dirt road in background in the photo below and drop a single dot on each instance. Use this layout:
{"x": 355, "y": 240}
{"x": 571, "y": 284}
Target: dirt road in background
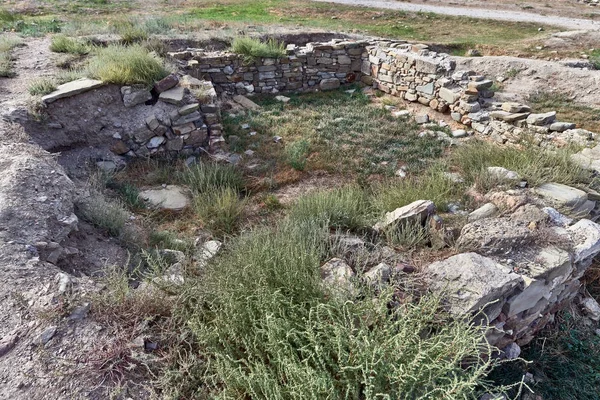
{"x": 495, "y": 10}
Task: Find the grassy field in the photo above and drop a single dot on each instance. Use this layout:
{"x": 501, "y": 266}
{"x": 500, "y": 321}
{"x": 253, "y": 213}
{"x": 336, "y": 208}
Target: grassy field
{"x": 106, "y": 16}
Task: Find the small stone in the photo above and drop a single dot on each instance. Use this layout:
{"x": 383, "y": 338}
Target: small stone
{"x": 173, "y": 96}
{"x": 167, "y": 83}
{"x": 246, "y": 103}
{"x": 337, "y": 275}
{"x": 277, "y": 139}
{"x": 152, "y": 122}
{"x": 79, "y": 312}
{"x": 119, "y": 147}
{"x": 502, "y": 174}
{"x": 329, "y": 84}
{"x": 486, "y": 211}
{"x": 171, "y": 197}
{"x": 190, "y": 108}
{"x": 245, "y": 126}
{"x": 46, "y": 335}
{"x": 400, "y": 113}
{"x": 459, "y": 133}
{"x": 512, "y": 351}
{"x": 422, "y": 119}
{"x": 282, "y": 99}
{"x": 155, "y": 142}
{"x": 562, "y": 126}
{"x": 591, "y": 308}
{"x": 417, "y": 211}
{"x": 378, "y": 275}
{"x": 249, "y": 153}
{"x": 134, "y": 95}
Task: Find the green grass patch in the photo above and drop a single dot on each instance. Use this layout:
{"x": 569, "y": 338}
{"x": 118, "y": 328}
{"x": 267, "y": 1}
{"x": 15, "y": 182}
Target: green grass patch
{"x": 65, "y": 44}
{"x": 205, "y": 177}
{"x": 109, "y": 215}
{"x": 7, "y": 44}
{"x": 346, "y": 132}
{"x": 432, "y": 185}
{"x": 220, "y": 209}
{"x": 252, "y": 48}
{"x": 296, "y": 153}
{"x": 42, "y": 86}
{"x": 533, "y": 164}
{"x": 126, "y": 65}
{"x": 347, "y": 207}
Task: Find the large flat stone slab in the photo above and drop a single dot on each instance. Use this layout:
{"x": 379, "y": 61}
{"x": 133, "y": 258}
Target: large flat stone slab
{"x": 562, "y": 195}
{"x": 71, "y": 89}
{"x": 171, "y": 197}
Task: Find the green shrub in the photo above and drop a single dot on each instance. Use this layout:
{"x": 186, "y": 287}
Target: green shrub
{"x": 7, "y": 43}
{"x": 406, "y": 235}
{"x": 296, "y": 153}
{"x": 106, "y": 214}
{"x": 220, "y": 208}
{"x": 41, "y": 86}
{"x": 133, "y": 34}
{"x": 70, "y": 75}
{"x": 126, "y": 65}
{"x": 346, "y": 207}
{"x": 64, "y": 44}
{"x": 204, "y": 177}
{"x": 533, "y": 164}
{"x": 432, "y": 185}
{"x": 266, "y": 330}
{"x": 253, "y": 48}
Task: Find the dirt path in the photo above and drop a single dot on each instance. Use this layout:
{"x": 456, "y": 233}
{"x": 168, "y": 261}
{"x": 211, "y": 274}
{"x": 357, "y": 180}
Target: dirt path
{"x": 498, "y": 14}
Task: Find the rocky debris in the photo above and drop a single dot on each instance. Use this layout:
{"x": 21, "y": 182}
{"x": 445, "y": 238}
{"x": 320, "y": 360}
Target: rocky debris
{"x": 72, "y": 88}
{"x": 471, "y": 282}
{"x": 512, "y": 108}
{"x": 337, "y": 275}
{"x": 415, "y": 212}
{"x": 171, "y": 197}
{"x": 488, "y": 210}
{"x": 46, "y": 335}
{"x": 495, "y": 235}
{"x": 561, "y": 126}
{"x": 246, "y": 103}
{"x": 422, "y": 119}
{"x": 591, "y": 308}
{"x": 557, "y": 218}
{"x": 586, "y": 240}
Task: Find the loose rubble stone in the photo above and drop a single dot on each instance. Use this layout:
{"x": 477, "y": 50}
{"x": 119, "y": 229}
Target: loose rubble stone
{"x": 417, "y": 211}
{"x": 488, "y": 210}
{"x": 71, "y": 89}
{"x": 378, "y": 275}
{"x": 422, "y": 119}
{"x": 502, "y": 173}
{"x": 562, "y": 126}
{"x": 586, "y": 239}
{"x": 562, "y": 195}
{"x": 512, "y": 351}
{"x": 132, "y": 95}
{"x": 513, "y": 108}
{"x": 171, "y": 197}
{"x": 337, "y": 275}
{"x": 246, "y": 103}
{"x": 591, "y": 308}
{"x": 167, "y": 83}
{"x": 282, "y": 99}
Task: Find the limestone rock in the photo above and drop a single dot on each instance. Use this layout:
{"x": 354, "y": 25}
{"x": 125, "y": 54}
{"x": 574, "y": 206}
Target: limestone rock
{"x": 448, "y": 95}
{"x": 512, "y": 107}
{"x": 561, "y": 126}
{"x": 562, "y": 195}
{"x": 379, "y": 274}
{"x": 494, "y": 235}
{"x": 486, "y": 211}
{"x": 507, "y": 116}
{"x": 417, "y": 211}
{"x": 166, "y": 83}
{"x": 329, "y": 84}
{"x": 173, "y": 96}
{"x": 471, "y": 281}
{"x": 337, "y": 275}
{"x": 246, "y": 103}
{"x": 591, "y": 308}
{"x": 134, "y": 95}
{"x": 586, "y": 239}
{"x": 541, "y": 119}
{"x": 503, "y": 174}
{"x": 171, "y": 197}
{"x": 588, "y": 158}
{"x": 71, "y": 89}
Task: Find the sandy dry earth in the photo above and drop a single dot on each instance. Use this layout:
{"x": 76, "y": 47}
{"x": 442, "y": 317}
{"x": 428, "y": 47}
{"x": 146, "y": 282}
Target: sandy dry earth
{"x": 502, "y": 14}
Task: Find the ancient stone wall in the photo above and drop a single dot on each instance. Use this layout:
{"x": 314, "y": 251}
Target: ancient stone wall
{"x": 316, "y": 65}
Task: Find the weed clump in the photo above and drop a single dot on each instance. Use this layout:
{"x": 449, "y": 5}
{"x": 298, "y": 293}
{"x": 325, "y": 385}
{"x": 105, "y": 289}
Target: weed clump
{"x": 253, "y": 48}
{"x": 346, "y": 207}
{"x": 204, "y": 177}
{"x": 220, "y": 209}
{"x": 126, "y": 65}
{"x": 7, "y": 44}
{"x": 109, "y": 215}
{"x": 65, "y": 44}
{"x": 42, "y": 86}
{"x": 297, "y": 153}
